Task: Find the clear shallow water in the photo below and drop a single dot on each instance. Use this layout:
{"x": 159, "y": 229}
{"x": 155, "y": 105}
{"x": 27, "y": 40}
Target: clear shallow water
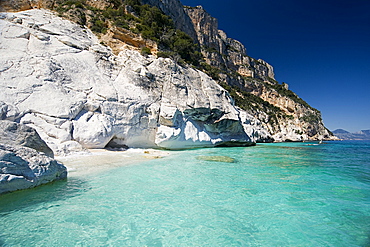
{"x": 285, "y": 194}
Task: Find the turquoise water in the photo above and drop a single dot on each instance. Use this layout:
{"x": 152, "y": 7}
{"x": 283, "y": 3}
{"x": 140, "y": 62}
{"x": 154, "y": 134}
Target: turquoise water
{"x": 283, "y": 194}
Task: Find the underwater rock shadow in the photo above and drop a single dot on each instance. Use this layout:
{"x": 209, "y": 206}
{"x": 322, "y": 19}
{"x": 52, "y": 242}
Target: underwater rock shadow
{"x": 51, "y": 192}
{"x": 216, "y": 158}
{"x": 2, "y": 243}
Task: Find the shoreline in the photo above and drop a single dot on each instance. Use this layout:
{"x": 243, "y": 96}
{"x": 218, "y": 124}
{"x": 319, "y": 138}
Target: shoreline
{"x": 95, "y": 161}
{"x": 100, "y": 160}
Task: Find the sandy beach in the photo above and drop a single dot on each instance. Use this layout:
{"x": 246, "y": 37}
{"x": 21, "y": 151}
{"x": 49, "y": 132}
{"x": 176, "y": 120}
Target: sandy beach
{"x": 99, "y": 160}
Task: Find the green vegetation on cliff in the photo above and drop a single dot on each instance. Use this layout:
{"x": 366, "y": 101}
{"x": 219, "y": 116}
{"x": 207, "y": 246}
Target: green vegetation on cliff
{"x": 280, "y": 89}
{"x": 148, "y": 21}
{"x": 252, "y": 103}
{"x": 152, "y": 24}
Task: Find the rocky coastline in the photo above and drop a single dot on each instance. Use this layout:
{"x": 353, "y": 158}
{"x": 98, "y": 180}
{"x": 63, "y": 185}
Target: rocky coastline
{"x": 96, "y": 99}
{"x": 65, "y": 89}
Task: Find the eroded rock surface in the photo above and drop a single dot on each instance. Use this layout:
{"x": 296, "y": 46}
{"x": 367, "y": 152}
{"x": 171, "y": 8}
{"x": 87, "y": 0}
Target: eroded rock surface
{"x": 12, "y": 133}
{"x": 281, "y": 112}
{"x": 23, "y": 168}
{"x": 25, "y": 159}
{"x": 57, "y": 78}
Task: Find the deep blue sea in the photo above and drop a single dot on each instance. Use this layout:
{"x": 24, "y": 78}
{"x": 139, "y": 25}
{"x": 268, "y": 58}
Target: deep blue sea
{"x": 281, "y": 194}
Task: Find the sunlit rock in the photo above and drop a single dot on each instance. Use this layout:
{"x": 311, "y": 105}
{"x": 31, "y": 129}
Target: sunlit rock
{"x": 57, "y": 78}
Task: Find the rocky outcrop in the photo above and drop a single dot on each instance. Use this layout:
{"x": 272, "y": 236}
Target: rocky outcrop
{"x": 223, "y": 52}
{"x": 283, "y": 113}
{"x": 23, "y": 168}
{"x": 109, "y": 96}
{"x": 22, "y": 5}
{"x": 175, "y": 10}
{"x": 25, "y": 159}
{"x": 295, "y": 120}
{"x": 15, "y": 5}
{"x": 59, "y": 79}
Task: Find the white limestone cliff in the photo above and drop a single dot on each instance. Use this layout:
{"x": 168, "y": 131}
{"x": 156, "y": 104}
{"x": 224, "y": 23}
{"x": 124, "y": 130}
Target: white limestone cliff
{"x": 56, "y": 77}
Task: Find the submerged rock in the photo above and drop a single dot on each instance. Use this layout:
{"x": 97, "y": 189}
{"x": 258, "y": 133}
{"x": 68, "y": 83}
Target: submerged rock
{"x": 216, "y": 158}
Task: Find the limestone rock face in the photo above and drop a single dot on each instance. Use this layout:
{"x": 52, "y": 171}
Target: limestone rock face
{"x": 175, "y": 10}
{"x": 12, "y": 133}
{"x": 21, "y": 5}
{"x": 255, "y": 128}
{"x": 287, "y": 117}
{"x": 14, "y": 5}
{"x": 23, "y": 168}
{"x": 221, "y": 51}
{"x": 93, "y": 130}
{"x": 297, "y": 122}
{"x": 57, "y": 78}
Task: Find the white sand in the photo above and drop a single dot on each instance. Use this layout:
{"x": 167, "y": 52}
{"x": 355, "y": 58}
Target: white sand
{"x": 99, "y": 160}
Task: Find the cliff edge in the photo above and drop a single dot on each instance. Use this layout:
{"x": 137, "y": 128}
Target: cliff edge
{"x": 125, "y": 74}
{"x": 252, "y": 84}
{"x": 78, "y": 94}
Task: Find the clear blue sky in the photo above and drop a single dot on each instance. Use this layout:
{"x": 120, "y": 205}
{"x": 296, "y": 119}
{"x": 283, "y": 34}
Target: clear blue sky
{"x": 321, "y": 48}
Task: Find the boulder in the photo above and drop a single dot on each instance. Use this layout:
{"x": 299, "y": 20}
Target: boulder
{"x": 25, "y": 159}
{"x": 23, "y": 168}
{"x": 93, "y": 130}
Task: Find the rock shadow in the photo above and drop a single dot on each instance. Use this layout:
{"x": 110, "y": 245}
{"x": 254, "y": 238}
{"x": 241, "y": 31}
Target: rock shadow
{"x": 47, "y": 193}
